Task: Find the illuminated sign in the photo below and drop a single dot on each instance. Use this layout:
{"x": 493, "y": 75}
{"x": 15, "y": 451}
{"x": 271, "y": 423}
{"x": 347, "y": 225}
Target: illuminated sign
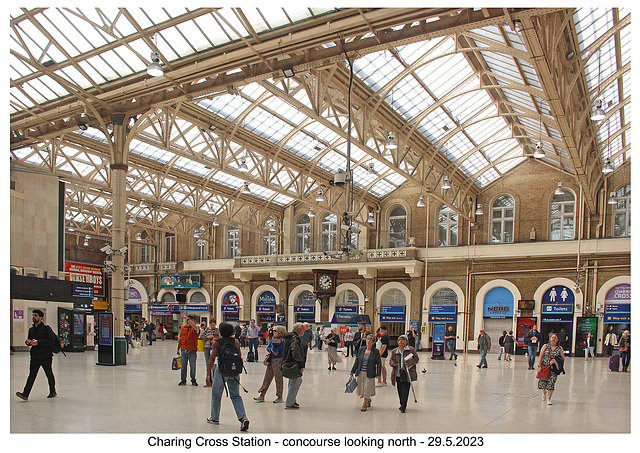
{"x": 86, "y": 273}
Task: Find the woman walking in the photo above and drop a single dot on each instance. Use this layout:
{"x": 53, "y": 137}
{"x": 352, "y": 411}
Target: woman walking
{"x": 403, "y": 362}
{"x": 366, "y": 369}
{"x": 625, "y": 349}
{"x": 275, "y": 349}
{"x": 333, "y": 340}
{"x": 509, "y": 346}
{"x": 548, "y": 355}
{"x": 208, "y": 334}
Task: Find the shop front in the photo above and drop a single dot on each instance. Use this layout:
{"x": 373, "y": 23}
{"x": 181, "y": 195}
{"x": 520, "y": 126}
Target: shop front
{"x": 393, "y": 311}
{"x": 305, "y": 308}
{"x": 266, "y": 309}
{"x": 498, "y": 314}
{"x": 617, "y": 313}
{"x": 230, "y": 307}
{"x": 556, "y": 315}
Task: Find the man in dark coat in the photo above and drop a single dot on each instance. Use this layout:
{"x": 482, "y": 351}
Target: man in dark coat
{"x": 41, "y": 339}
{"x": 294, "y": 354}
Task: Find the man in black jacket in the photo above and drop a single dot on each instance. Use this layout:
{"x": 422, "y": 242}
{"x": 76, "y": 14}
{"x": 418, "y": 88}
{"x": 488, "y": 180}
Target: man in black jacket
{"x": 41, "y": 339}
{"x": 294, "y": 354}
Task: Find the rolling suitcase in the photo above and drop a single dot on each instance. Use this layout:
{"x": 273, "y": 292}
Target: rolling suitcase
{"x": 614, "y": 362}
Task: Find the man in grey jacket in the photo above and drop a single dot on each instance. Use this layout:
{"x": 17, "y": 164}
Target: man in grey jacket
{"x": 484, "y": 345}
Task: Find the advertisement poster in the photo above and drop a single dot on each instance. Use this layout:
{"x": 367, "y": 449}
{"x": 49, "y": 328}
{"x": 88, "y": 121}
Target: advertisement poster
{"x": 524, "y": 325}
{"x": 86, "y": 273}
{"x": 583, "y": 328}
{"x": 180, "y": 281}
{"x": 105, "y": 329}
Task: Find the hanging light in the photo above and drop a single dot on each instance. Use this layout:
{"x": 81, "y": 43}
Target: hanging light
{"x": 391, "y": 141}
{"x": 446, "y": 184}
{"x": 215, "y": 222}
{"x": 86, "y": 240}
{"x": 559, "y": 190}
{"x": 607, "y": 168}
{"x": 245, "y": 188}
{"x": 420, "y": 202}
{"x": 371, "y": 218}
{"x": 372, "y": 170}
{"x": 598, "y": 113}
{"x": 311, "y": 212}
{"x": 155, "y": 67}
{"x": 320, "y": 196}
{"x": 479, "y": 210}
{"x": 539, "y": 152}
{"x": 139, "y": 236}
{"x": 243, "y": 165}
{"x": 612, "y": 198}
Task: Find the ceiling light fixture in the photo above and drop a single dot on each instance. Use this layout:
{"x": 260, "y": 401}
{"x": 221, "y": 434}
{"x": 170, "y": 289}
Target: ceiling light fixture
{"x": 607, "y": 167}
{"x": 155, "y": 67}
{"x": 391, "y": 141}
{"x": 539, "y": 152}
{"x": 320, "y": 196}
{"x": 420, "y": 202}
{"x": 243, "y": 165}
{"x": 82, "y": 123}
{"x": 245, "y": 188}
{"x": 371, "y": 219}
{"x": 445, "y": 183}
{"x": 139, "y": 236}
{"x": 559, "y": 190}
{"x": 612, "y": 198}
{"x": 598, "y": 114}
{"x": 372, "y": 169}
{"x": 311, "y": 212}
{"x": 86, "y": 240}
{"x": 288, "y": 71}
{"x": 479, "y": 210}
{"x": 215, "y": 222}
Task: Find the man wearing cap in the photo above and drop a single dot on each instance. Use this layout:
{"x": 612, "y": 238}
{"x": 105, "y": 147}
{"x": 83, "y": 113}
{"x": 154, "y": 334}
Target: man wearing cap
{"x": 40, "y": 338}
{"x": 384, "y": 341}
{"x": 187, "y": 348}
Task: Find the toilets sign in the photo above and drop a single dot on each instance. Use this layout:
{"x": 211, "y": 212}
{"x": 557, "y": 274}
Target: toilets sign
{"x": 559, "y": 295}
{"x": 561, "y": 308}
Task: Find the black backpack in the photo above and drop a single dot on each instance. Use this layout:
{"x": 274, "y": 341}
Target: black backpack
{"x": 229, "y": 360}
{"x": 56, "y": 347}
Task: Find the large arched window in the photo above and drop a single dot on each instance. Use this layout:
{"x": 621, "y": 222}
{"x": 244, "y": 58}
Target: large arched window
{"x": 269, "y": 237}
{"x": 563, "y": 209}
{"x": 303, "y": 234}
{"x": 233, "y": 241}
{"x": 348, "y": 297}
{"x": 502, "y": 215}
{"x": 622, "y": 212}
{"x": 329, "y": 233}
{"x": 398, "y": 227}
{"x": 393, "y": 297}
{"x": 447, "y": 226}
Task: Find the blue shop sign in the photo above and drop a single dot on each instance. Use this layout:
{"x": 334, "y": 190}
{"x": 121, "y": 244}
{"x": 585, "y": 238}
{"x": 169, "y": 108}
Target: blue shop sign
{"x": 347, "y": 309}
{"x": 229, "y": 308}
{"x": 613, "y": 318}
{"x": 267, "y": 298}
{"x": 392, "y": 309}
{"x": 442, "y": 318}
{"x": 304, "y": 309}
{"x": 133, "y": 307}
{"x": 498, "y": 303}
{"x": 442, "y": 309}
{"x": 557, "y": 317}
{"x": 232, "y": 316}
{"x": 194, "y": 308}
{"x": 82, "y": 290}
{"x": 559, "y": 308}
{"x": 391, "y": 318}
{"x": 265, "y": 309}
{"x": 618, "y": 308}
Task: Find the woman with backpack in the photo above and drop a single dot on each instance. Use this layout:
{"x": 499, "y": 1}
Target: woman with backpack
{"x": 226, "y": 374}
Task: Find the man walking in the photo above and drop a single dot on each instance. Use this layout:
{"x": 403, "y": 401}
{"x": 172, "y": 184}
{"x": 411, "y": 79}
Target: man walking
{"x": 187, "y": 348}
{"x": 252, "y": 334}
{"x": 305, "y": 339}
{"x": 610, "y": 341}
{"x": 41, "y": 339}
{"x": 484, "y": 345}
{"x": 348, "y": 341}
{"x": 532, "y": 340}
{"x": 358, "y": 339}
{"x": 384, "y": 352}
{"x": 293, "y": 354}
{"x": 127, "y": 334}
{"x": 450, "y": 338}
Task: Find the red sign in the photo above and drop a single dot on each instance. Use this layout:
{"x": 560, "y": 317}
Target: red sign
{"x": 86, "y": 273}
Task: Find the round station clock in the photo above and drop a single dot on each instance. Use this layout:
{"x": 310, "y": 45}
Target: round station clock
{"x": 325, "y": 282}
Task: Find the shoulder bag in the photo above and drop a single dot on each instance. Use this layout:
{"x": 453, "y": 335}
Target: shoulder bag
{"x": 290, "y": 370}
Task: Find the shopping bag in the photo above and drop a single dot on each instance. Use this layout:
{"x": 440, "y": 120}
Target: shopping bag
{"x": 351, "y": 385}
{"x": 176, "y": 363}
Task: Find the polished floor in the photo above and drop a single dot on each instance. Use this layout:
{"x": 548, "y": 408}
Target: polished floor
{"x": 143, "y": 397}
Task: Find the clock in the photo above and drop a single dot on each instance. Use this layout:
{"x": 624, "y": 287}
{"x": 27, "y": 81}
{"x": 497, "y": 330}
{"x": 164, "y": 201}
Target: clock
{"x": 324, "y": 282}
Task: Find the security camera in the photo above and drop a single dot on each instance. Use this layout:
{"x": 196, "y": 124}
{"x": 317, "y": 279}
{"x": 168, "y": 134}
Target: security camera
{"x": 107, "y": 249}
{"x": 123, "y": 249}
{"x": 339, "y": 179}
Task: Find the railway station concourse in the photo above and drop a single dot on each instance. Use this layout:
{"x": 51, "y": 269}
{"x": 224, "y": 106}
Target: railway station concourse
{"x": 417, "y": 168}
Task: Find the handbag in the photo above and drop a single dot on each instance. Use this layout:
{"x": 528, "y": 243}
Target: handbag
{"x": 201, "y": 345}
{"x": 176, "y": 363}
{"x": 543, "y": 374}
{"x": 290, "y": 370}
{"x": 351, "y": 385}
{"x": 267, "y": 359}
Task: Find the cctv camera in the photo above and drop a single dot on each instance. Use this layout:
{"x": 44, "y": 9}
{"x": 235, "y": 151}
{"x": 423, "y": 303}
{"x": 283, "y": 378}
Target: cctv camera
{"x": 107, "y": 249}
{"x": 123, "y": 249}
{"x": 340, "y": 179}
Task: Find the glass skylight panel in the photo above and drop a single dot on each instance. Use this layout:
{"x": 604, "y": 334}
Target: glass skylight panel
{"x": 468, "y": 105}
{"x": 515, "y": 40}
{"x": 285, "y": 110}
{"x": 93, "y": 133}
{"x": 590, "y": 24}
{"x": 152, "y": 152}
{"x": 282, "y": 200}
{"x": 474, "y": 164}
{"x": 511, "y": 160}
{"x": 444, "y": 74}
{"x": 502, "y": 65}
{"x": 486, "y": 129}
{"x": 457, "y": 146}
{"x": 382, "y": 188}
{"x": 303, "y": 145}
{"x": 396, "y": 179}
{"x": 491, "y": 32}
{"x": 322, "y": 132}
{"x": 253, "y": 90}
{"x": 333, "y": 161}
{"x": 274, "y": 16}
{"x": 66, "y": 35}
{"x": 191, "y": 166}
{"x": 377, "y": 69}
{"x": 227, "y": 180}
{"x": 226, "y": 106}
{"x": 496, "y": 150}
{"x": 520, "y": 98}
{"x": 487, "y": 177}
{"x": 409, "y": 98}
{"x": 413, "y": 52}
{"x": 255, "y": 19}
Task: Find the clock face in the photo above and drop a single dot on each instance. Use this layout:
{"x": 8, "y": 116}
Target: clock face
{"x": 325, "y": 282}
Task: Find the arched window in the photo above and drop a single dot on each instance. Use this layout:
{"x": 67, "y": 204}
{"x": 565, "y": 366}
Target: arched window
{"x": 444, "y": 296}
{"x": 201, "y": 249}
{"x": 447, "y": 226}
{"x": 622, "y": 212}
{"x": 563, "y": 209}
{"x": 329, "y": 233}
{"x": 197, "y": 298}
{"x": 170, "y": 247}
{"x": 168, "y": 298}
{"x": 303, "y": 234}
{"x": 269, "y": 237}
{"x": 393, "y": 297}
{"x": 398, "y": 227}
{"x": 306, "y": 298}
{"x": 502, "y": 215}
{"x": 348, "y": 297}
{"x": 233, "y": 241}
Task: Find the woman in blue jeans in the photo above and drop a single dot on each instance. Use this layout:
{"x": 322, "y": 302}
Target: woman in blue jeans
{"x": 217, "y": 381}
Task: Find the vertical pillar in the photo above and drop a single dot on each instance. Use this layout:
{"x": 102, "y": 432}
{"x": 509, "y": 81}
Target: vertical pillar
{"x": 118, "y": 232}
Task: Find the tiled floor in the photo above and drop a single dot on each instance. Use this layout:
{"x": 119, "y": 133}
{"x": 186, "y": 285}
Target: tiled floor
{"x": 143, "y": 397}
